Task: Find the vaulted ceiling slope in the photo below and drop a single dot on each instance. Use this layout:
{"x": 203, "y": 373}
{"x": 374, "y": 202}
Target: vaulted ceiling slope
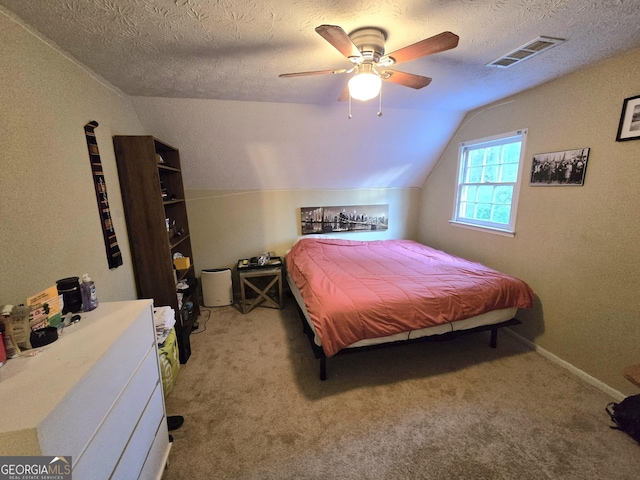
{"x": 235, "y": 49}
{"x": 185, "y": 51}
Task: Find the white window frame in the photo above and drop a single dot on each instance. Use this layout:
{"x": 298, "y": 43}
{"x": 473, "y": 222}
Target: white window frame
{"x": 463, "y": 157}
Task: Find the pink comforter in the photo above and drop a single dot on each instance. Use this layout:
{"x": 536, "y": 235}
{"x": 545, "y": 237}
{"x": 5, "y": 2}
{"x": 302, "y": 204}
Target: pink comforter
{"x": 355, "y": 290}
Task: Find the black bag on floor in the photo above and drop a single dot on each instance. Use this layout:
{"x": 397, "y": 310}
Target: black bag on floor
{"x": 626, "y": 416}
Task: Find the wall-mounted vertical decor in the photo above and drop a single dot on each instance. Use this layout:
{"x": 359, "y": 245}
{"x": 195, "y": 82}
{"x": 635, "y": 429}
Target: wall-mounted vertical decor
{"x": 114, "y": 256}
{"x": 354, "y": 218}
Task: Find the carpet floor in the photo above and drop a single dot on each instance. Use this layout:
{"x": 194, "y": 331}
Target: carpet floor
{"x": 254, "y": 408}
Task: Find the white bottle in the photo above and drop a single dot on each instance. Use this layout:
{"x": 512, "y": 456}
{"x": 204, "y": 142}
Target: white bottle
{"x": 88, "y": 291}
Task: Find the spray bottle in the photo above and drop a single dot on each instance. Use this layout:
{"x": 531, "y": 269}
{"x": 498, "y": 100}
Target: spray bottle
{"x": 88, "y": 291}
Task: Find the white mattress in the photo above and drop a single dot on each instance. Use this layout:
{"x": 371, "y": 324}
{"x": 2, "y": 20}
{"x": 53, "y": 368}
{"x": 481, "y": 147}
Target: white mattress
{"x": 489, "y": 318}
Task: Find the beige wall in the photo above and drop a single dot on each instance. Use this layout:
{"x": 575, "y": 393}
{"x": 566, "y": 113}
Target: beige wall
{"x": 233, "y": 145}
{"x": 49, "y": 221}
{"x": 577, "y": 247}
{"x": 229, "y": 225}
{"x": 284, "y": 157}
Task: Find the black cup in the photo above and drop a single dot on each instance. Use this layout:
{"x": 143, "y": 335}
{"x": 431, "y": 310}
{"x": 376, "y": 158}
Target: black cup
{"x": 69, "y": 288}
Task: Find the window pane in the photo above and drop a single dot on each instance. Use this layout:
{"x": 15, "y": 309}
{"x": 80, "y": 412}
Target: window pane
{"x": 509, "y": 172}
{"x": 464, "y": 206}
{"x": 500, "y": 214}
{"x": 476, "y": 158}
{"x": 485, "y": 194}
{"x": 493, "y": 155}
{"x": 489, "y": 180}
{"x": 503, "y": 195}
{"x": 490, "y": 174}
{"x": 512, "y": 151}
{"x": 483, "y": 211}
{"x": 474, "y": 175}
{"x": 464, "y": 194}
{"x": 472, "y": 193}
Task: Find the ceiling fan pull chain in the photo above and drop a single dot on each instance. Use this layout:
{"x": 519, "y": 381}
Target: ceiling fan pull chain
{"x": 350, "y": 107}
{"x": 380, "y": 104}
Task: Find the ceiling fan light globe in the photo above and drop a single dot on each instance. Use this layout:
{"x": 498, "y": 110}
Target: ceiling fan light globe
{"x": 365, "y": 86}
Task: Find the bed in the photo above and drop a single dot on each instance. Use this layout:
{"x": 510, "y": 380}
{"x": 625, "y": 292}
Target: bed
{"x": 357, "y": 294}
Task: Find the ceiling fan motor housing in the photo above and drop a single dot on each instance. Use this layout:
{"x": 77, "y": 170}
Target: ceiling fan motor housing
{"x": 370, "y": 42}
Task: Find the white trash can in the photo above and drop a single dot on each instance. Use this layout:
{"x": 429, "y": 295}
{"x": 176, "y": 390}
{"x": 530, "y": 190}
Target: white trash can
{"x": 216, "y": 287}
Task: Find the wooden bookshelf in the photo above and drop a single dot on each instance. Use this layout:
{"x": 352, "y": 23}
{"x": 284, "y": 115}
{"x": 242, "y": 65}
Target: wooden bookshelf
{"x": 152, "y": 192}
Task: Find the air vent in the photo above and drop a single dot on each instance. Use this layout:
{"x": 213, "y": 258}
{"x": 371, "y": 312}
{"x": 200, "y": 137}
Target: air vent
{"x": 532, "y": 48}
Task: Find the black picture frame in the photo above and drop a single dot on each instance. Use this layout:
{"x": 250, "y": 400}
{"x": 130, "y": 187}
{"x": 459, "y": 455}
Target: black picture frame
{"x": 629, "y": 128}
{"x": 559, "y": 169}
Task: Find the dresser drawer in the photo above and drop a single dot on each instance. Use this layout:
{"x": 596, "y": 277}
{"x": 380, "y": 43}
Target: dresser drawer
{"x": 70, "y": 427}
{"x": 110, "y": 441}
{"x": 157, "y": 459}
{"x": 139, "y": 446}
{"x": 95, "y": 394}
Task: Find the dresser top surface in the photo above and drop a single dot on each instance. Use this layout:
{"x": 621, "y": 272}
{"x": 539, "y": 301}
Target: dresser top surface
{"x": 32, "y": 386}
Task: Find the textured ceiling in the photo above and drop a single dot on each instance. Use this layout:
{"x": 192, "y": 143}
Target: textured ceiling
{"x": 235, "y": 49}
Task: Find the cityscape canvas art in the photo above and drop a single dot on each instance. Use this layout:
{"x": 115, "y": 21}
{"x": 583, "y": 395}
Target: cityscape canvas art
{"x": 354, "y": 218}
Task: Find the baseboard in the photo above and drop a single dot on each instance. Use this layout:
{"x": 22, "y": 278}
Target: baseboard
{"x": 615, "y": 394}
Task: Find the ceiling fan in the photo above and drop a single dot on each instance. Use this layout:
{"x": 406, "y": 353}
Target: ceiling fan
{"x": 364, "y": 48}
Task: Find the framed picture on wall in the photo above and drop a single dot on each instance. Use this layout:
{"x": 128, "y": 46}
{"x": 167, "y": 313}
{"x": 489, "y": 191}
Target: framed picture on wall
{"x": 353, "y": 218}
{"x": 629, "y": 128}
{"x": 559, "y": 168}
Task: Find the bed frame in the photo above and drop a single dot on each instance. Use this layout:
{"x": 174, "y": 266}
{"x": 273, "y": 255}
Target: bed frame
{"x": 318, "y": 352}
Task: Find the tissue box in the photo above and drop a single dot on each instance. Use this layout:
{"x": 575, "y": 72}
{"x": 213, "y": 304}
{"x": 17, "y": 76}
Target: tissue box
{"x": 182, "y": 263}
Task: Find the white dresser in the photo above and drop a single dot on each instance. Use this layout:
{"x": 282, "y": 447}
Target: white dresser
{"x": 95, "y": 394}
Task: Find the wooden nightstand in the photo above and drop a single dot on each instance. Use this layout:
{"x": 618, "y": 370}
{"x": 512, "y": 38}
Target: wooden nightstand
{"x": 261, "y": 280}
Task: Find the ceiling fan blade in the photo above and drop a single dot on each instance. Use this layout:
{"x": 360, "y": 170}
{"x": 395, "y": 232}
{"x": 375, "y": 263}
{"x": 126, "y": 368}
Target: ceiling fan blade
{"x": 344, "y": 96}
{"x": 438, "y": 43}
{"x": 317, "y": 72}
{"x": 405, "y": 79}
{"x": 337, "y": 37}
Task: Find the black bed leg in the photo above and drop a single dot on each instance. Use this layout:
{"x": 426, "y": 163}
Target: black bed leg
{"x": 494, "y": 338}
{"x": 323, "y": 368}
